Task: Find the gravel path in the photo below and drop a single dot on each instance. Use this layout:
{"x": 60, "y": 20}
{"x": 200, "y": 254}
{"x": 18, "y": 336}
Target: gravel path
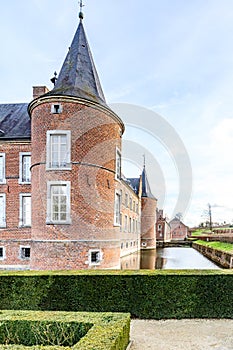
{"x": 182, "y": 334}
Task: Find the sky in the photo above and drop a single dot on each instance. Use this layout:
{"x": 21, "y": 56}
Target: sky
{"x": 167, "y": 63}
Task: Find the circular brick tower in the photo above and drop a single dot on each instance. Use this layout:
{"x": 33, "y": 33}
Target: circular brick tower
{"x": 76, "y": 144}
{"x": 148, "y": 214}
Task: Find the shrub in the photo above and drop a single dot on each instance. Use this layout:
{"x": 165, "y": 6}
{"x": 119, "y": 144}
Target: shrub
{"x": 65, "y": 330}
{"x": 144, "y": 294}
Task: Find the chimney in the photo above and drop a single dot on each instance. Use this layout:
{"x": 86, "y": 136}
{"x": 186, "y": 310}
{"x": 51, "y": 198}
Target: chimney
{"x": 39, "y": 91}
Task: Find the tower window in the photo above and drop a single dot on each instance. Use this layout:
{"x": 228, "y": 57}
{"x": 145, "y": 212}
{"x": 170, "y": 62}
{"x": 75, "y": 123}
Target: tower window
{"x": 58, "y": 202}
{"x": 58, "y": 149}
{"x": 56, "y": 109}
{"x": 25, "y": 253}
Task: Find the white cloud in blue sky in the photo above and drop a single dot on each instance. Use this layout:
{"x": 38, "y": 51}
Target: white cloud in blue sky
{"x": 172, "y": 56}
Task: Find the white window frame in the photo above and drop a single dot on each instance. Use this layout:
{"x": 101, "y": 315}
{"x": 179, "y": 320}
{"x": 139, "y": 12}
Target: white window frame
{"x": 21, "y": 156}
{"x": 21, "y": 211}
{"x": 98, "y": 262}
{"x": 133, "y": 225}
{"x": 51, "y": 133}
{"x": 21, "y": 256}
{"x": 55, "y": 110}
{"x": 126, "y": 223}
{"x": 49, "y": 220}
{"x": 3, "y": 257}
{"x": 3, "y": 180}
{"x": 130, "y": 225}
{"x": 126, "y": 200}
{"x": 3, "y": 222}
{"x": 130, "y": 203}
{"x": 118, "y": 164}
{"x": 117, "y": 211}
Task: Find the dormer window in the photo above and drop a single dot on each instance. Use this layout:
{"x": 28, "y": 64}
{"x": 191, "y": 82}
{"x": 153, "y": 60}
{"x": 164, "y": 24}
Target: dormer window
{"x": 56, "y": 108}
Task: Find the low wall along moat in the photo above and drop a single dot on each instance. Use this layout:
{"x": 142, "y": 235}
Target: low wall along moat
{"x": 224, "y": 259}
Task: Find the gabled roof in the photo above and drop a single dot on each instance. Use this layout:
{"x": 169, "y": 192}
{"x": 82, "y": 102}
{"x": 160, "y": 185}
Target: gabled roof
{"x": 146, "y": 191}
{"x": 14, "y": 121}
{"x": 78, "y": 76}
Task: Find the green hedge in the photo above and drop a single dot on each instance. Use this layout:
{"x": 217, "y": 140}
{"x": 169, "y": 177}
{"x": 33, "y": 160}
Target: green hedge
{"x": 63, "y": 330}
{"x": 144, "y": 294}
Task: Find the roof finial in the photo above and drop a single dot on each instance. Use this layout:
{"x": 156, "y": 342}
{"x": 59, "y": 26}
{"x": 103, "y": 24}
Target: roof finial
{"x": 144, "y": 161}
{"x": 81, "y": 8}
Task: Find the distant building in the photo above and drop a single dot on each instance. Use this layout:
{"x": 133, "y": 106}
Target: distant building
{"x": 179, "y": 231}
{"x": 64, "y": 203}
{"x": 163, "y": 229}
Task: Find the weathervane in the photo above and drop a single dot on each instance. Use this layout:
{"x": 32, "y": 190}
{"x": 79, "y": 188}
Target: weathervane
{"x": 81, "y": 9}
{"x": 144, "y": 160}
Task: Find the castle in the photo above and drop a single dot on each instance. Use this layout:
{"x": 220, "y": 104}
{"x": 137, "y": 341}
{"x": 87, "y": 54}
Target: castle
{"x": 64, "y": 203}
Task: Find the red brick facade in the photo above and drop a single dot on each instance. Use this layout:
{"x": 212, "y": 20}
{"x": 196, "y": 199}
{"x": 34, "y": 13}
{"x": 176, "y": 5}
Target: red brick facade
{"x": 179, "y": 231}
{"x": 163, "y": 229}
{"x": 76, "y": 212}
{"x": 13, "y": 236}
{"x": 148, "y": 221}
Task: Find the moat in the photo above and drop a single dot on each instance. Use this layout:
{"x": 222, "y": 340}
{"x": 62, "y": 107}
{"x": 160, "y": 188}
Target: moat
{"x": 167, "y": 258}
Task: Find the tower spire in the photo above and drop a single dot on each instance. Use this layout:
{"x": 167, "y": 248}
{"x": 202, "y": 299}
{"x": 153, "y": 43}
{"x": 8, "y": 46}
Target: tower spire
{"x": 81, "y": 16}
{"x": 144, "y": 161}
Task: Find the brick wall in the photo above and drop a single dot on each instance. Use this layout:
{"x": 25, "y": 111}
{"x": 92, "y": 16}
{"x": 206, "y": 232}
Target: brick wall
{"x": 148, "y": 221}
{"x": 94, "y": 138}
{"x": 13, "y": 236}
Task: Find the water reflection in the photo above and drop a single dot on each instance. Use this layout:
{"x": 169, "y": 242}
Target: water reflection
{"x": 167, "y": 258}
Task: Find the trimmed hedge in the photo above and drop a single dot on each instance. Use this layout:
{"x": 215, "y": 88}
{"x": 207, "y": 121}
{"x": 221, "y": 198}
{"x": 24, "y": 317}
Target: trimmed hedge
{"x": 145, "y": 294}
{"x": 63, "y": 330}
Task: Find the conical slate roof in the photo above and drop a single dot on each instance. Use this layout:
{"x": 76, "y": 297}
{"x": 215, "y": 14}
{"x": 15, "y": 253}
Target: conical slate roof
{"x": 146, "y": 191}
{"x": 78, "y": 76}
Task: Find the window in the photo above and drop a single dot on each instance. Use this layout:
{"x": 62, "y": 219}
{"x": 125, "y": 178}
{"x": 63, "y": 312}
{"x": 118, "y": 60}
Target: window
{"x": 117, "y": 214}
{"x": 95, "y": 257}
{"x": 24, "y": 167}
{"x": 2, "y": 253}
{"x": 126, "y": 223}
{"x": 130, "y": 203}
{"x": 133, "y": 225}
{"x": 25, "y": 210}
{"x": 120, "y": 222}
{"x": 2, "y": 168}
{"x": 122, "y": 245}
{"x": 130, "y": 224}
{"x": 159, "y": 227}
{"x": 126, "y": 200}
{"x": 118, "y": 164}
{"x": 2, "y": 210}
{"x": 137, "y": 208}
{"x": 25, "y": 253}
{"x": 56, "y": 108}
{"x": 58, "y": 202}
{"x": 58, "y": 149}
{"x": 133, "y": 205}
